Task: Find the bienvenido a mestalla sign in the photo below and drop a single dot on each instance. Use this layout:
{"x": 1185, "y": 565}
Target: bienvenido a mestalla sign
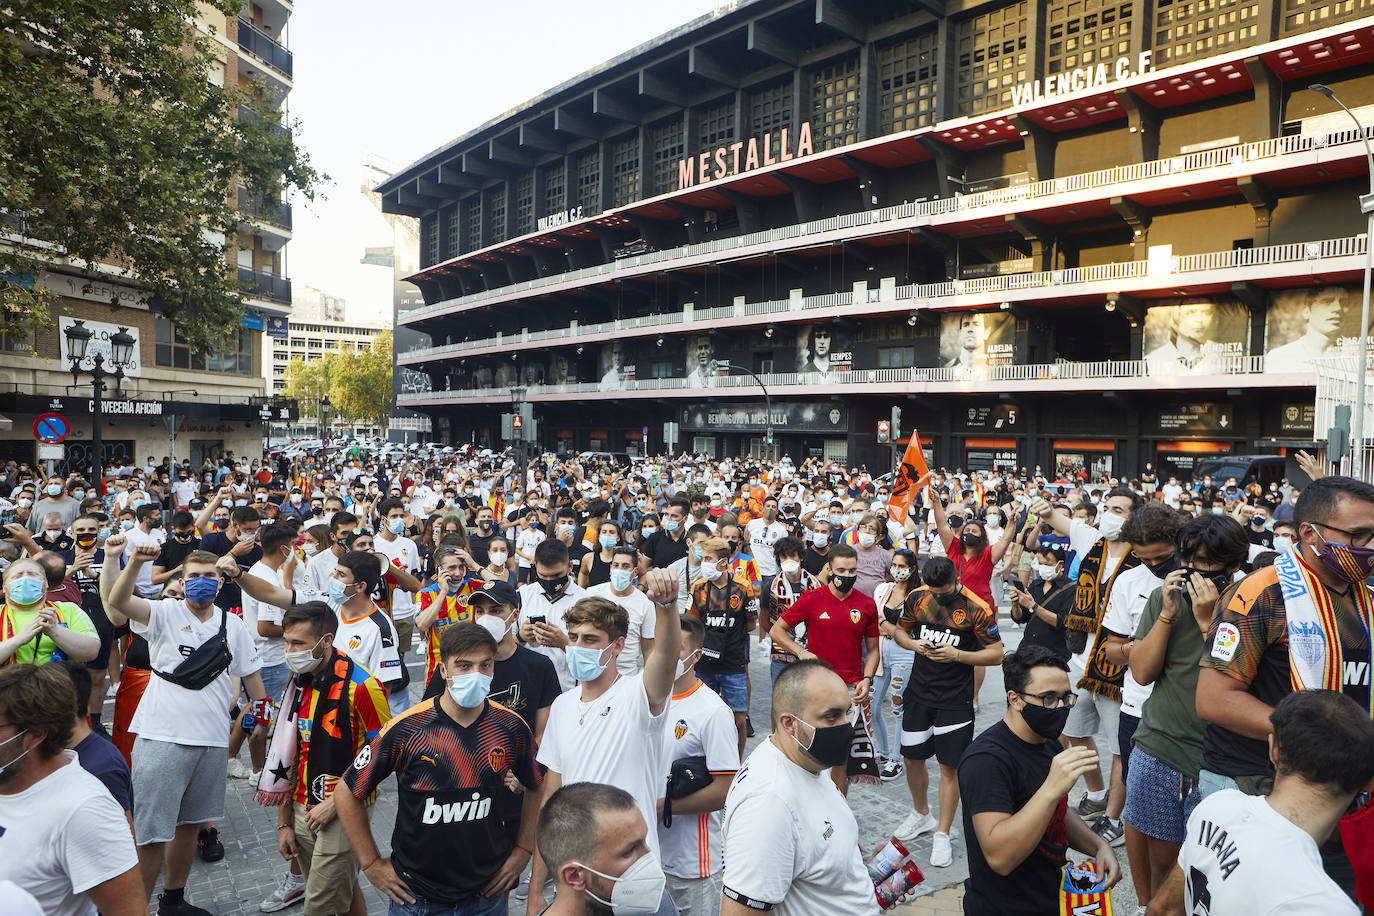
{"x": 1081, "y": 78}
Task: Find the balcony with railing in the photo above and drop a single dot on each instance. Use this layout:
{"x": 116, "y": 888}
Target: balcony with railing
{"x": 272, "y": 212}
{"x": 1220, "y": 164}
{"x": 251, "y": 115}
{"x": 1269, "y": 263}
{"x": 1138, "y": 374}
{"x": 268, "y": 287}
{"x": 264, "y": 47}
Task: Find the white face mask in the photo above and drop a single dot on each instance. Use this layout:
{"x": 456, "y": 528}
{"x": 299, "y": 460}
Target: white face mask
{"x": 684, "y": 663}
{"x": 711, "y": 572}
{"x": 867, "y": 540}
{"x": 638, "y": 891}
{"x": 790, "y": 567}
{"x": 497, "y": 559}
{"x": 1109, "y": 523}
{"x": 1283, "y": 543}
{"x": 304, "y": 661}
{"x": 494, "y": 625}
{"x": 901, "y": 575}
{"x": 1048, "y": 573}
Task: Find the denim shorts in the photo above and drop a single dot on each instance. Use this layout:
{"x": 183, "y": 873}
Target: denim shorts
{"x": 1158, "y": 798}
{"x": 732, "y": 688}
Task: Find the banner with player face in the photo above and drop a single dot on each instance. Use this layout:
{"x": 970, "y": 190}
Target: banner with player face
{"x": 1195, "y": 335}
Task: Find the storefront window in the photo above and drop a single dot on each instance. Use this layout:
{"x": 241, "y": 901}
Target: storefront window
{"x": 173, "y": 352}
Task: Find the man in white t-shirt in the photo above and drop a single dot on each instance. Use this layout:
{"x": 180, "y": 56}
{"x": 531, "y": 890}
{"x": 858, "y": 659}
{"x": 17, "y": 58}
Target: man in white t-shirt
{"x": 610, "y": 729}
{"x": 263, "y": 621}
{"x": 791, "y": 841}
{"x": 699, "y": 725}
{"x": 1171, "y": 493}
{"x": 762, "y": 534}
{"x": 639, "y": 641}
{"x": 179, "y": 758}
{"x": 544, "y": 602}
{"x": 63, "y": 839}
{"x": 147, "y": 529}
{"x": 399, "y": 550}
{"x": 1250, "y": 855}
{"x": 320, "y": 569}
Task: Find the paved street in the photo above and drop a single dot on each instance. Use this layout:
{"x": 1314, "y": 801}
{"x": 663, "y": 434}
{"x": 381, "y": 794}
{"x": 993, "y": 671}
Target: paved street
{"x": 251, "y": 865}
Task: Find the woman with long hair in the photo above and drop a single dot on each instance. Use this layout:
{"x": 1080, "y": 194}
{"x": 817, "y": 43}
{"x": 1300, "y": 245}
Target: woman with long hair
{"x": 596, "y": 565}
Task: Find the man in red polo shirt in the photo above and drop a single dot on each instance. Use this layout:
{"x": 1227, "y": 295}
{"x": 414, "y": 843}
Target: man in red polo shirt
{"x": 842, "y": 631}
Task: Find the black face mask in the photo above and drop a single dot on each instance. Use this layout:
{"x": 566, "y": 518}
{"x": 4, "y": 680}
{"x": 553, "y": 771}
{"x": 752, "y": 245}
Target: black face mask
{"x": 946, "y": 600}
{"x": 553, "y": 587}
{"x": 956, "y": 522}
{"x": 734, "y": 546}
{"x": 972, "y": 539}
{"x": 1164, "y": 567}
{"x": 843, "y": 583}
{"x": 829, "y": 746}
{"x": 1219, "y": 577}
{"x": 1047, "y": 723}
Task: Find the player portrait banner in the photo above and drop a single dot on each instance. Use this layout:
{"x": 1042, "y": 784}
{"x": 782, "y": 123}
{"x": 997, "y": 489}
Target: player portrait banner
{"x": 1308, "y": 324}
{"x": 1195, "y": 335}
{"x": 976, "y": 340}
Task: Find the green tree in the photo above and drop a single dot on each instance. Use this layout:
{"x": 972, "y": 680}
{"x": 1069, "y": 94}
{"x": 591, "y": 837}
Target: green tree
{"x": 306, "y": 382}
{"x": 360, "y": 383}
{"x": 116, "y": 148}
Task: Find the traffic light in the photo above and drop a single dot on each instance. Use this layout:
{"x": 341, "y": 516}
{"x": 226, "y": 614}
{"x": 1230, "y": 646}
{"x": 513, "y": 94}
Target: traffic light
{"x": 896, "y": 423}
{"x": 884, "y": 432}
{"x": 1338, "y": 436}
{"x": 517, "y": 422}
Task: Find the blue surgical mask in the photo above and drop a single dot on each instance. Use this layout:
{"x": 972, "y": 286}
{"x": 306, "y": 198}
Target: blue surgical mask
{"x": 607, "y": 541}
{"x": 27, "y": 591}
{"x": 53, "y": 489}
{"x": 696, "y": 554}
{"x": 621, "y": 579}
{"x": 338, "y": 592}
{"x": 78, "y": 494}
{"x": 126, "y": 524}
{"x": 396, "y": 525}
{"x": 585, "y": 664}
{"x": 138, "y": 503}
{"x": 469, "y": 690}
{"x": 820, "y": 538}
{"x": 645, "y": 532}
{"x": 201, "y": 589}
{"x": 671, "y": 524}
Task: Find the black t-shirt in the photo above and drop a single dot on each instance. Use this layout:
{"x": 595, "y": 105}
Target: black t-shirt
{"x": 600, "y": 569}
{"x": 1056, "y": 596}
{"x": 813, "y": 561}
{"x": 173, "y": 552}
{"x": 230, "y": 597}
{"x": 1260, "y": 536}
{"x": 576, "y": 554}
{"x": 103, "y": 760}
{"x": 662, "y": 550}
{"x": 478, "y": 547}
{"x": 1000, "y": 772}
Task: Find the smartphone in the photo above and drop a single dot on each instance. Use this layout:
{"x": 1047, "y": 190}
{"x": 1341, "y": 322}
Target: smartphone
{"x": 537, "y": 618}
{"x": 7, "y": 517}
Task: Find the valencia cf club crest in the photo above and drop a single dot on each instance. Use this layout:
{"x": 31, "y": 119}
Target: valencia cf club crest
{"x": 854, "y": 615}
{"x": 734, "y": 602}
{"x": 498, "y": 758}
{"x": 680, "y": 729}
{"x": 959, "y": 617}
{"x": 354, "y": 642}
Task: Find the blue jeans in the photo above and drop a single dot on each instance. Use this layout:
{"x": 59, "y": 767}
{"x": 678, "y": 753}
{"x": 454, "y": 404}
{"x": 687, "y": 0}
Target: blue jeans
{"x": 732, "y": 688}
{"x": 477, "y": 906}
{"x": 895, "y": 677}
{"x": 775, "y": 668}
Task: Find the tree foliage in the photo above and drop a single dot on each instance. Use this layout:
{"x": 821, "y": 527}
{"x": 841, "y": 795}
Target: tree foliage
{"x": 358, "y": 384}
{"x": 116, "y": 148}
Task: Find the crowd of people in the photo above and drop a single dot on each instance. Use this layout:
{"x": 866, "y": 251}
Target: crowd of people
{"x": 576, "y": 742}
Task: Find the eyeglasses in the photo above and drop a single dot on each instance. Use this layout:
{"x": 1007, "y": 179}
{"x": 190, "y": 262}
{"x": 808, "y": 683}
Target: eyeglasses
{"x": 1357, "y": 538}
{"x": 1052, "y": 700}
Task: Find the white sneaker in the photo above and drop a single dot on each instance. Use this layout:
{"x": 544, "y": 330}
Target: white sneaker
{"x": 940, "y": 853}
{"x": 111, "y": 690}
{"x": 238, "y": 769}
{"x": 915, "y": 825}
{"x": 289, "y": 889}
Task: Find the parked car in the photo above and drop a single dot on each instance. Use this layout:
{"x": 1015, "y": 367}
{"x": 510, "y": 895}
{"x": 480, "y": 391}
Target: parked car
{"x": 1246, "y": 469}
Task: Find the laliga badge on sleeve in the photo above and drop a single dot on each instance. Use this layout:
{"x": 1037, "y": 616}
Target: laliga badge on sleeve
{"x": 1081, "y": 891}
{"x": 1224, "y": 646}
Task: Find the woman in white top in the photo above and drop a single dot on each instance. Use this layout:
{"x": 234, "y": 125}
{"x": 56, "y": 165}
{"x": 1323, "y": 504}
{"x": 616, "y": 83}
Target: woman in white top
{"x": 890, "y": 596}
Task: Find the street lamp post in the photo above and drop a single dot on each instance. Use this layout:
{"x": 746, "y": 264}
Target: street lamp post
{"x": 767, "y": 410}
{"x": 324, "y": 418}
{"x": 517, "y": 400}
{"x": 121, "y": 355}
{"x": 1367, "y": 208}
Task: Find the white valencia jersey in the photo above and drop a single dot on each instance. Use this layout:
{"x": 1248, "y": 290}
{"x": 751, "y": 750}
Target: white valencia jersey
{"x": 699, "y": 724}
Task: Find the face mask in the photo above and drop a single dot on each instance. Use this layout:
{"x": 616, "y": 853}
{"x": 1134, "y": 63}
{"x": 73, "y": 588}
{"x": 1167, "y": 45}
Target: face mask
{"x": 497, "y": 558}
{"x": 712, "y": 572}
{"x": 138, "y": 504}
{"x": 836, "y": 518}
{"x": 53, "y": 489}
{"x": 86, "y": 541}
{"x": 201, "y": 590}
{"x": 791, "y": 567}
{"x": 27, "y": 591}
{"x": 843, "y": 584}
{"x": 585, "y": 664}
{"x": 972, "y": 539}
{"x": 553, "y": 587}
{"x": 495, "y": 626}
{"x": 1109, "y": 523}
{"x": 396, "y": 525}
{"x": 485, "y": 525}
{"x": 636, "y": 892}
{"x": 1048, "y": 573}
{"x": 867, "y": 540}
{"x": 607, "y": 541}
{"x": 829, "y": 746}
{"x": 621, "y": 578}
{"x": 1283, "y": 543}
{"x": 469, "y": 690}
{"x": 338, "y": 592}
{"x": 78, "y": 494}
{"x": 696, "y": 554}
{"x": 565, "y": 531}
{"x": 1164, "y": 567}
{"x": 1354, "y": 564}
{"x": 671, "y": 524}
{"x": 1047, "y": 723}
{"x": 1218, "y": 510}
{"x": 52, "y": 534}
{"x": 901, "y": 575}
{"x": 126, "y": 524}
{"x": 25, "y": 503}
{"x": 947, "y": 600}
{"x": 683, "y": 664}
{"x": 820, "y": 538}
{"x": 304, "y": 661}
{"x": 645, "y": 532}
{"x": 10, "y": 769}
{"x": 296, "y": 498}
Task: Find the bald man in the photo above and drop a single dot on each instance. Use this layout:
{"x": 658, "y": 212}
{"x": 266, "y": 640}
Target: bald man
{"x": 783, "y": 798}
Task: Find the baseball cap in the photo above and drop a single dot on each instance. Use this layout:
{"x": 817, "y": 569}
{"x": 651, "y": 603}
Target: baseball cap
{"x": 499, "y": 591}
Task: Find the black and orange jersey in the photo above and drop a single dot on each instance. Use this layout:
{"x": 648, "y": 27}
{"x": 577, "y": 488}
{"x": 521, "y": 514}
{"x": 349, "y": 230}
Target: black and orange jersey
{"x": 450, "y": 836}
{"x": 967, "y": 624}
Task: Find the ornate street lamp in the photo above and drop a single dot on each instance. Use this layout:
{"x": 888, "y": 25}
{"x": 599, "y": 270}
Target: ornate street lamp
{"x": 121, "y": 354}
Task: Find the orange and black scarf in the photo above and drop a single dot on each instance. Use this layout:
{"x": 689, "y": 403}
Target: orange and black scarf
{"x": 1089, "y": 605}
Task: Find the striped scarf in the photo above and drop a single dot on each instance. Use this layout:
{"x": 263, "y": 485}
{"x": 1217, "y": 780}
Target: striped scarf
{"x": 1089, "y": 605}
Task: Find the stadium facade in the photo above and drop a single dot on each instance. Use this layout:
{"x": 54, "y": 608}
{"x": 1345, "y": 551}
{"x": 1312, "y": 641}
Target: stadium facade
{"x": 1056, "y": 233}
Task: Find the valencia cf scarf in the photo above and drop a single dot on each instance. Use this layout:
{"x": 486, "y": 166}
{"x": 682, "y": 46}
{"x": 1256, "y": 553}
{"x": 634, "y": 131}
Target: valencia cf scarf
{"x": 1089, "y": 605}
{"x": 1316, "y": 658}
{"x": 330, "y": 750}
{"x": 1081, "y": 892}
{"x": 862, "y": 766}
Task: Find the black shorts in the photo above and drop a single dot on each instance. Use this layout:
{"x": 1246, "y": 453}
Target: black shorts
{"x": 940, "y": 733}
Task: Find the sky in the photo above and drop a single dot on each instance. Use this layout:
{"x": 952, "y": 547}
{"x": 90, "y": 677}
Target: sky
{"x": 397, "y": 79}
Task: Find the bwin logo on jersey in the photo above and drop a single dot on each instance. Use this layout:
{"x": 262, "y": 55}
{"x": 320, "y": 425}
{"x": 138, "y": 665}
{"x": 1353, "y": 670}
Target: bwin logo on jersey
{"x": 940, "y": 636}
{"x": 473, "y": 810}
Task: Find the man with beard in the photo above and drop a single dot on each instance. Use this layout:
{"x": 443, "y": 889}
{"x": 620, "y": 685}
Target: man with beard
{"x": 63, "y": 838}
